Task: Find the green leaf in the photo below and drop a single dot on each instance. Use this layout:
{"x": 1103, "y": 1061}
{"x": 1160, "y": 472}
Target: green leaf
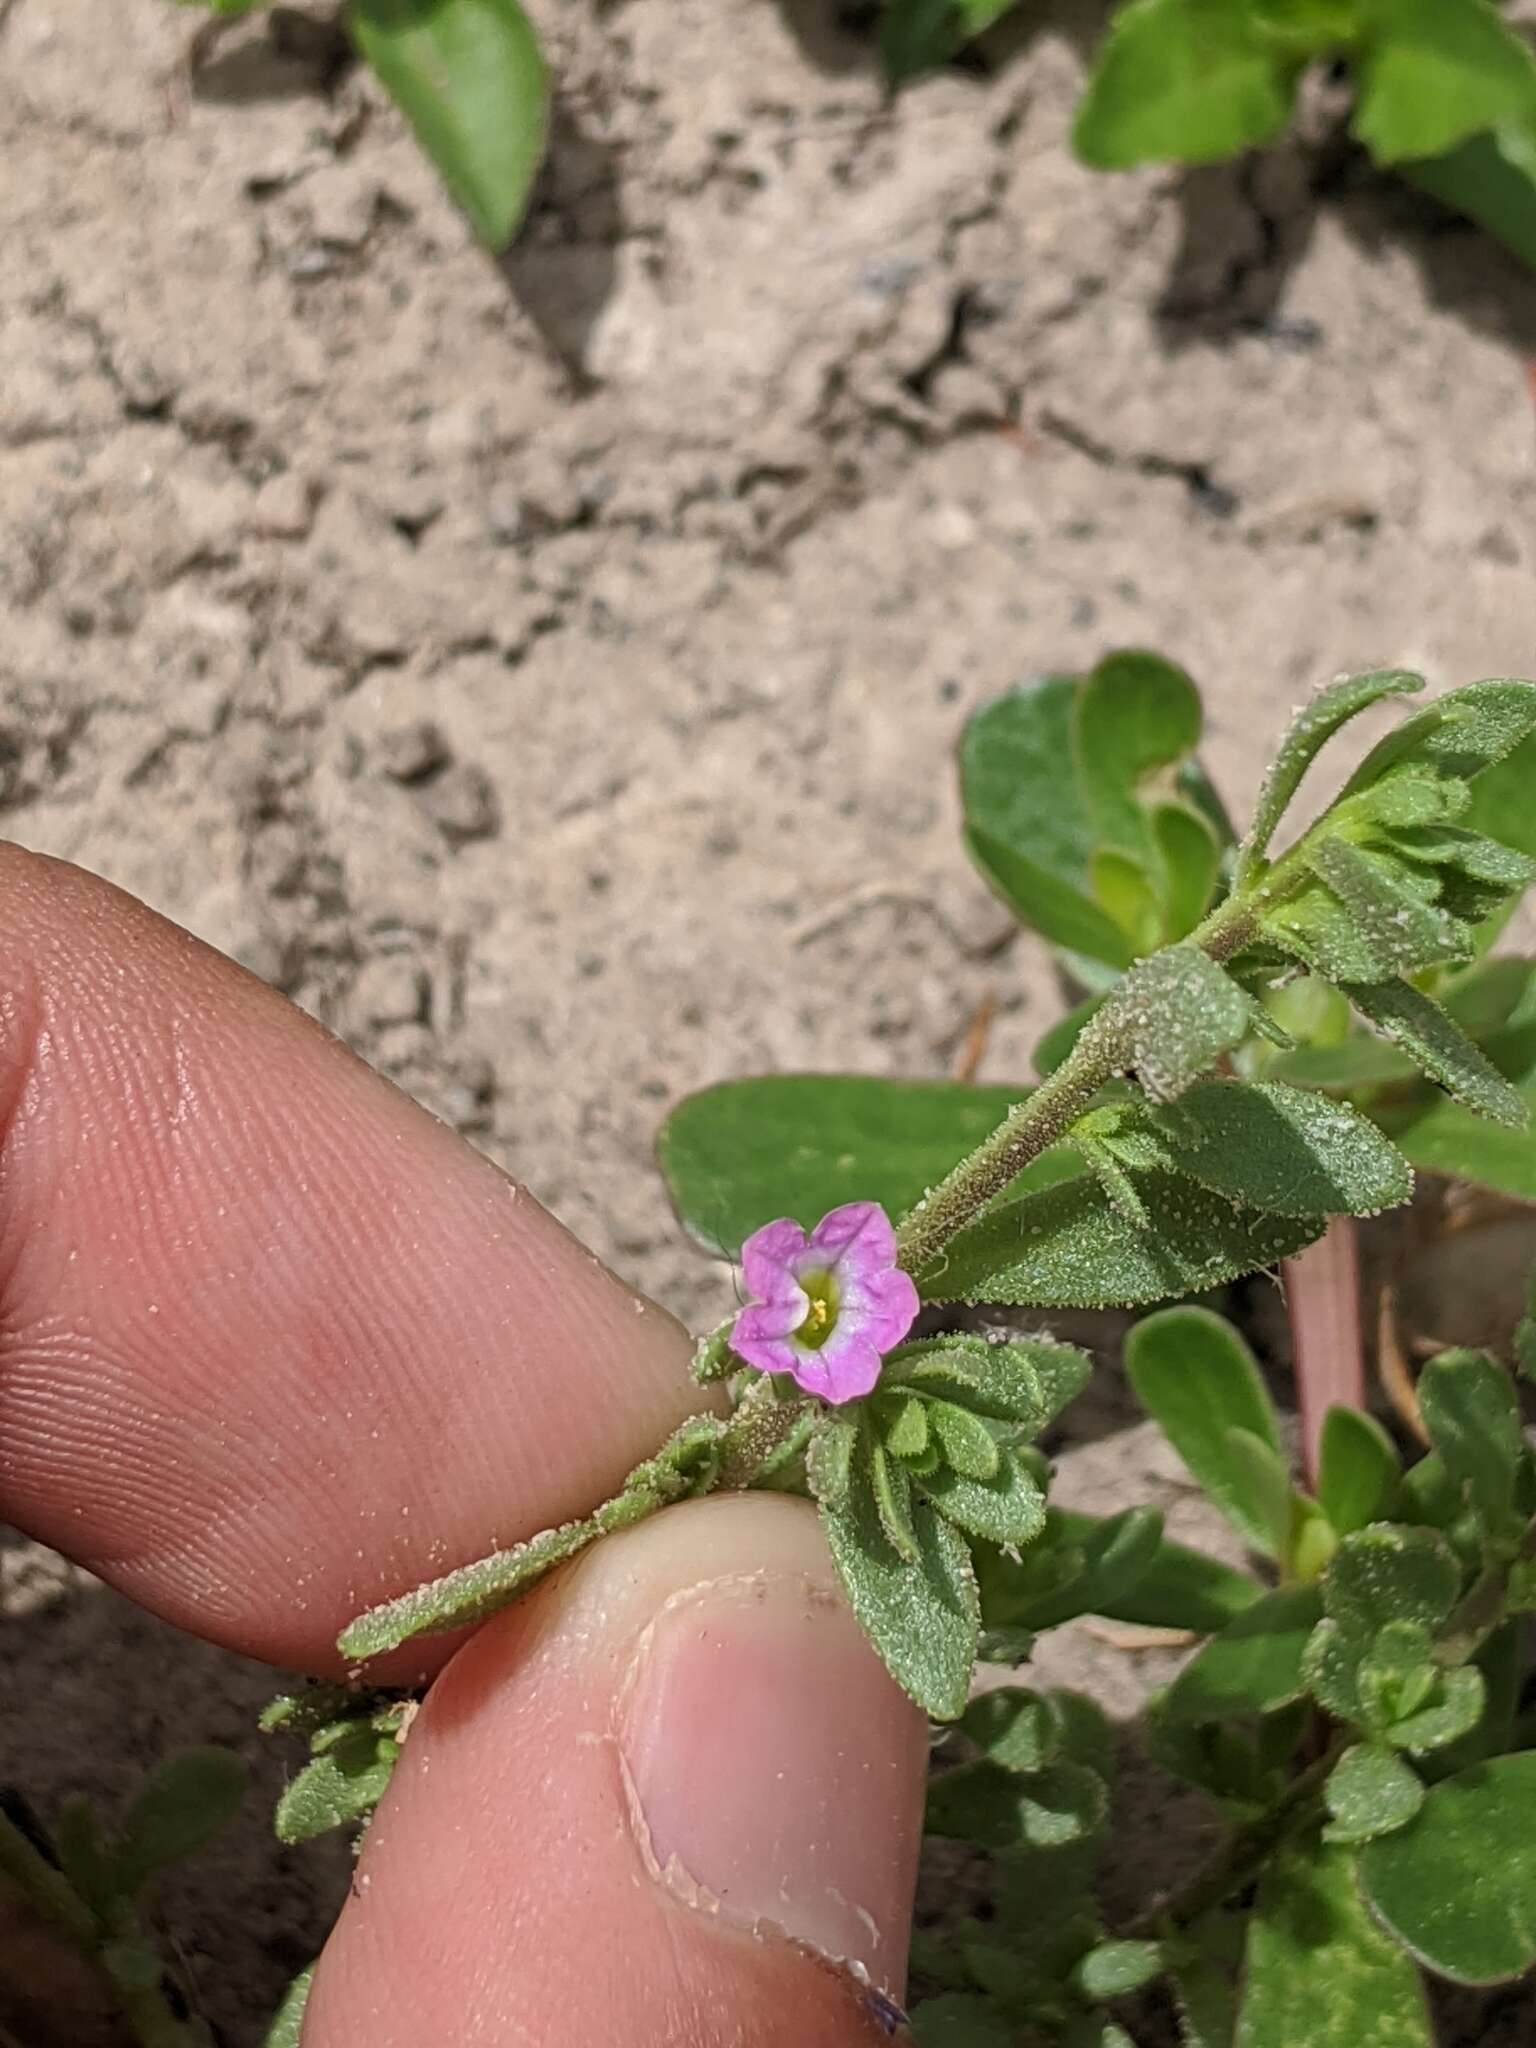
{"x": 1196, "y": 1377}
{"x": 1123, "y": 885}
{"x": 1390, "y": 1573}
{"x": 1175, "y": 1588}
{"x": 961, "y": 2020}
{"x": 1067, "y": 1248}
{"x": 1002, "y": 1809}
{"x": 920, "y": 35}
{"x": 1013, "y": 1726}
{"x": 1026, "y": 1382}
{"x": 1117, "y": 1968}
{"x": 1438, "y": 1045}
{"x": 468, "y": 76}
{"x": 1189, "y": 81}
{"x": 1370, "y": 1792}
{"x": 1028, "y": 826}
{"x": 743, "y": 1153}
{"x": 829, "y": 1460}
{"x": 1462, "y": 734}
{"x": 1135, "y": 715}
{"x": 1358, "y": 1470}
{"x": 342, "y": 1786}
{"x": 1473, "y": 1419}
{"x": 1309, "y": 731}
{"x": 1189, "y": 861}
{"x": 1401, "y": 932}
{"x": 1439, "y": 1136}
{"x": 1254, "y": 1666}
{"x": 288, "y": 2021}
{"x": 1318, "y": 1969}
{"x": 180, "y": 1806}
{"x": 923, "y": 1617}
{"x": 1173, "y": 1017}
{"x": 1284, "y": 1150}
{"x": 1206, "y": 2014}
{"x": 1008, "y": 1508}
{"x": 132, "y": 1963}
{"x": 463, "y": 1596}
{"x": 1453, "y": 1711}
{"x": 1501, "y": 803}
{"x": 892, "y": 1491}
{"x": 1457, "y": 1887}
{"x": 964, "y": 1440}
{"x": 1079, "y": 1565}
{"x": 1435, "y": 72}
{"x": 1492, "y": 180}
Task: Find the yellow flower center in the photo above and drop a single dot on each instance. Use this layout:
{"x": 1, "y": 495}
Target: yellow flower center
{"x": 820, "y": 1290}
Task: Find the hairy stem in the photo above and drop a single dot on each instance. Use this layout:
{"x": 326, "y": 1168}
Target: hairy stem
{"x": 759, "y": 1427}
{"x": 1037, "y": 1123}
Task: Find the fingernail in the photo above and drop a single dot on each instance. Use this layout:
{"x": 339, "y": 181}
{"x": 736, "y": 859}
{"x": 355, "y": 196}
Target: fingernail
{"x": 775, "y": 1768}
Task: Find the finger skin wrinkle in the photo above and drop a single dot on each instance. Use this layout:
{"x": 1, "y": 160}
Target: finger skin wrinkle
{"x": 274, "y": 1343}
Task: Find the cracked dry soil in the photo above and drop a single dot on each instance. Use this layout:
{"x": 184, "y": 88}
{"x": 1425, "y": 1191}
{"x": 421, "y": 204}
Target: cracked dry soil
{"x": 540, "y": 671}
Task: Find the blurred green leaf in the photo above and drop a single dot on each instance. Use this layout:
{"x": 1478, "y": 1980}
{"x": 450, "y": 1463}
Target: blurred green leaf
{"x": 342, "y": 1786}
{"x": 1436, "y": 1043}
{"x": 1457, "y": 1887}
{"x": 1135, "y": 715}
{"x": 1492, "y": 180}
{"x": 1175, "y": 1587}
{"x": 922, "y": 1617}
{"x": 1079, "y": 1565}
{"x": 1464, "y": 733}
{"x": 1002, "y": 1809}
{"x": 1189, "y": 860}
{"x": 1370, "y": 1792}
{"x": 1358, "y": 1470}
{"x": 468, "y": 76}
{"x": 1254, "y": 1665}
{"x": 743, "y": 1153}
{"x": 180, "y": 1806}
{"x": 959, "y": 2019}
{"x": 1318, "y": 1968}
{"x": 920, "y": 35}
{"x": 1196, "y": 1377}
{"x": 1027, "y": 822}
{"x": 1117, "y": 1968}
{"x": 1433, "y": 73}
{"x": 1391, "y": 1573}
{"x": 1473, "y": 1419}
{"x": 1187, "y": 81}
{"x": 1207, "y": 2015}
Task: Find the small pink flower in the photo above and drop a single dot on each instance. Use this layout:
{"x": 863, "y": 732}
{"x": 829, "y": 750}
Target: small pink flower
{"x": 825, "y": 1308}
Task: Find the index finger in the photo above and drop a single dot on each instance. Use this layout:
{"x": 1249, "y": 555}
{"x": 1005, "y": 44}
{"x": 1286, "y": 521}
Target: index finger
{"x": 274, "y": 1342}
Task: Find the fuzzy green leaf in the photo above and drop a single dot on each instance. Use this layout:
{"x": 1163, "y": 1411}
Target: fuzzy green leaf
{"x": 342, "y": 1786}
{"x": 1174, "y": 1587}
{"x": 923, "y": 1617}
{"x": 1390, "y": 1573}
{"x": 1188, "y": 81}
{"x": 1079, "y": 1565}
{"x": 1401, "y": 932}
{"x": 1008, "y": 1508}
{"x": 1066, "y": 1247}
{"x": 1196, "y": 1377}
{"x": 1465, "y": 732}
{"x": 1318, "y": 1969}
{"x": 1371, "y": 1792}
{"x": 1358, "y": 1470}
{"x": 1453, "y": 1710}
{"x": 1254, "y": 1666}
{"x": 1434, "y": 73}
{"x": 180, "y": 1806}
{"x": 1173, "y": 1017}
{"x": 743, "y": 1153}
{"x": 892, "y": 1490}
{"x": 468, "y": 76}
{"x": 829, "y": 1460}
{"x": 1457, "y": 1887}
{"x": 1309, "y": 731}
{"x": 1438, "y": 1045}
{"x": 463, "y": 1596}
{"x": 1117, "y": 1968}
{"x": 1026, "y": 1382}
{"x": 288, "y": 2021}
{"x": 965, "y": 1442}
{"x": 1283, "y": 1150}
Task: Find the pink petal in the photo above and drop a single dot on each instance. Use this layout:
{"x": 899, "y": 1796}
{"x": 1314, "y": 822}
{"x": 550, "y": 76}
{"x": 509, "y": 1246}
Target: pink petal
{"x": 766, "y": 1351}
{"x": 842, "y": 1370}
{"x": 857, "y": 1239}
{"x": 764, "y": 1322}
{"x": 883, "y": 1308}
{"x": 767, "y": 1260}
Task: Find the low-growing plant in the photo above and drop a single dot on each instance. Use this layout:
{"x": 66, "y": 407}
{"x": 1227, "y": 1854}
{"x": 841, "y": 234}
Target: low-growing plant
{"x": 1357, "y": 1704}
{"x": 1445, "y": 90}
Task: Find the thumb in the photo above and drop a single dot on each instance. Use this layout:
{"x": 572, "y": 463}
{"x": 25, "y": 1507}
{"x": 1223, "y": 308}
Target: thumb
{"x": 670, "y": 1801}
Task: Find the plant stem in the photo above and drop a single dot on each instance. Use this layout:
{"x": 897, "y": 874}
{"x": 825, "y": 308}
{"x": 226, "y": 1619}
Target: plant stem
{"x": 1244, "y": 1854}
{"x": 1045, "y": 1116}
{"x": 760, "y": 1425}
{"x": 1322, "y": 1301}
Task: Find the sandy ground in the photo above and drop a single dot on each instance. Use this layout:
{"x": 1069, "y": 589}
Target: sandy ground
{"x": 544, "y": 673}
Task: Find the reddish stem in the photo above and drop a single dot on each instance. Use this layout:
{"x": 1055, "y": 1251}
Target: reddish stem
{"x": 1322, "y": 1299}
